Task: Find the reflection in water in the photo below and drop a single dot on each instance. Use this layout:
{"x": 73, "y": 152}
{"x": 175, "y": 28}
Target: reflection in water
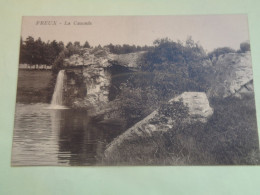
{"x": 58, "y": 137}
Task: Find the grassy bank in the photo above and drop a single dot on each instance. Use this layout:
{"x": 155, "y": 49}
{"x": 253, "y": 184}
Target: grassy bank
{"x": 35, "y": 86}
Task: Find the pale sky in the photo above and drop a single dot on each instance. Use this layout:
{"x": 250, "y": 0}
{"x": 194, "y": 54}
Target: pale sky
{"x": 211, "y": 31}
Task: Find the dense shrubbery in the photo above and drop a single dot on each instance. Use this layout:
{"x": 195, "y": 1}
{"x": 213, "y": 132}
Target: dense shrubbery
{"x": 220, "y": 51}
{"x": 213, "y": 56}
{"x": 125, "y": 48}
{"x": 58, "y": 62}
{"x": 167, "y": 70}
{"x": 244, "y": 47}
{"x": 231, "y": 134}
{"x": 178, "y": 60}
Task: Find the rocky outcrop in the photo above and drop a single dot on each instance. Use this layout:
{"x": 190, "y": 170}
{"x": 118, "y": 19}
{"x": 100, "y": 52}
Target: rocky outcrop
{"x": 87, "y": 88}
{"x": 94, "y": 67}
{"x": 233, "y": 73}
{"x": 130, "y": 60}
{"x": 97, "y": 81}
{"x": 90, "y": 56}
{"x": 198, "y": 105}
{"x": 75, "y": 89}
{"x": 247, "y": 88}
{"x": 181, "y": 111}
{"x": 104, "y": 58}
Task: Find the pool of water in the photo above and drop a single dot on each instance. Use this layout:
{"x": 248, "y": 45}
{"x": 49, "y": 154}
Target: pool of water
{"x": 44, "y": 136}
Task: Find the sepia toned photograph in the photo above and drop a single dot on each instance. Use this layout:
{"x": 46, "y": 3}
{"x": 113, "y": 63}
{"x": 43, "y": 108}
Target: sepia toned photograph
{"x": 135, "y": 91}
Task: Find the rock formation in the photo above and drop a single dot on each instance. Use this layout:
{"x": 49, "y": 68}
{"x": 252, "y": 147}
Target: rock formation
{"x": 233, "y": 75}
{"x": 94, "y": 69}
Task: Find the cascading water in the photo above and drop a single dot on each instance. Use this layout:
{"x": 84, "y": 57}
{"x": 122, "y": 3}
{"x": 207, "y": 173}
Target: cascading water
{"x": 57, "y": 97}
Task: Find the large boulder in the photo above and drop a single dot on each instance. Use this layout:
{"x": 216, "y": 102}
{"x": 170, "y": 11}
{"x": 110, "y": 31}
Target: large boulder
{"x": 144, "y": 137}
{"x": 233, "y": 75}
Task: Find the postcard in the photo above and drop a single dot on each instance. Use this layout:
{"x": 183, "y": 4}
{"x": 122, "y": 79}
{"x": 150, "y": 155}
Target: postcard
{"x": 135, "y": 90}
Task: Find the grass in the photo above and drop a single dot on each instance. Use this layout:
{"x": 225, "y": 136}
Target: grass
{"x": 35, "y": 86}
{"x": 229, "y": 137}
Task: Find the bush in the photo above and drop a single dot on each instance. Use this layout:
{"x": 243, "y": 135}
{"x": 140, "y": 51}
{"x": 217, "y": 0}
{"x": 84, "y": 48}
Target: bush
{"x": 231, "y": 133}
{"x": 58, "y": 63}
{"x": 244, "y": 47}
{"x": 220, "y": 51}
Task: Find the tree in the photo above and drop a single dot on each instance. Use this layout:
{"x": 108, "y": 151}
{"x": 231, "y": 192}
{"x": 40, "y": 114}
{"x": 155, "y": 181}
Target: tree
{"x": 22, "y": 58}
{"x": 86, "y": 45}
{"x": 193, "y": 52}
{"x": 38, "y": 53}
{"x": 69, "y": 44}
{"x": 220, "y": 51}
{"x": 58, "y": 63}
{"x": 176, "y": 65}
{"x": 76, "y": 44}
{"x": 244, "y": 47}
{"x": 61, "y": 46}
{"x": 72, "y": 49}
{"x": 30, "y": 51}
{"x": 165, "y": 55}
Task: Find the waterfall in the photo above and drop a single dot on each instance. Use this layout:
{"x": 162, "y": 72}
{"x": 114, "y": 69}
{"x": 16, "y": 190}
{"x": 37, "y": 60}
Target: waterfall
{"x": 57, "y": 97}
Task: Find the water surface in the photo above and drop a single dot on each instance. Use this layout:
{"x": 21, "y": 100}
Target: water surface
{"x": 45, "y": 136}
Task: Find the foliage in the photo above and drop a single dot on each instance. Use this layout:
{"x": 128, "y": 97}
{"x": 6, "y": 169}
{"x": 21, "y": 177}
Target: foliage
{"x": 229, "y": 136}
{"x": 178, "y": 63}
{"x": 58, "y": 63}
{"x": 168, "y": 55}
{"x": 220, "y": 51}
{"x": 168, "y": 69}
{"x": 133, "y": 104}
{"x": 125, "y": 48}
{"x": 36, "y": 52}
{"x": 86, "y": 45}
{"x": 231, "y": 133}
{"x": 72, "y": 49}
{"x": 244, "y": 47}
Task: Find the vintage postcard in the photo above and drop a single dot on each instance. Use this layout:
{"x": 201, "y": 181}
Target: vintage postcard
{"x": 135, "y": 90}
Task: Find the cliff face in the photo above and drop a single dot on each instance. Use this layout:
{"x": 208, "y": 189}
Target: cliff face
{"x": 90, "y": 76}
{"x": 97, "y": 83}
{"x": 182, "y": 111}
{"x": 75, "y": 89}
{"x": 233, "y": 75}
{"x": 87, "y": 88}
{"x": 198, "y": 105}
{"x": 89, "y": 56}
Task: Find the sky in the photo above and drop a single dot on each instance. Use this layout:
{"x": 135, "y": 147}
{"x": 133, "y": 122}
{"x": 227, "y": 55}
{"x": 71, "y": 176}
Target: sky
{"x": 211, "y": 31}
